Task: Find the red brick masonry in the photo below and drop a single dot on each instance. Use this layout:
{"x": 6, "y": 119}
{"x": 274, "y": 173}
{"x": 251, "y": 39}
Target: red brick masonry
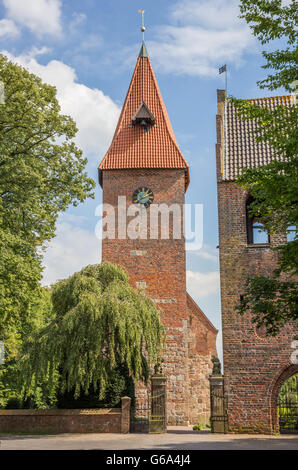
{"x": 111, "y": 420}
{"x": 156, "y": 263}
{"x": 191, "y": 338}
{"x": 255, "y": 366}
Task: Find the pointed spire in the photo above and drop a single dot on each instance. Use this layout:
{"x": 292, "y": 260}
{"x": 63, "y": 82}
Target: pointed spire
{"x": 135, "y": 145}
{"x": 143, "y": 51}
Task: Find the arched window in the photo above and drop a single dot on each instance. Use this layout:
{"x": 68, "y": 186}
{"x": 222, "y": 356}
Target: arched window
{"x": 256, "y": 234}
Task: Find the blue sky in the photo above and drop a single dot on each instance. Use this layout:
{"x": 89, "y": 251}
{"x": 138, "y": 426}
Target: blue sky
{"x": 88, "y": 51}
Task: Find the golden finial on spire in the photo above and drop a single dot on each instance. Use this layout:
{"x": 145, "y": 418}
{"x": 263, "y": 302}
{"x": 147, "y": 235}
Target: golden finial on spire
{"x": 143, "y": 29}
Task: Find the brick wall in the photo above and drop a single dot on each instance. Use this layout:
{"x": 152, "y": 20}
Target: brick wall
{"x": 253, "y": 363}
{"x": 55, "y": 421}
{"x": 160, "y": 264}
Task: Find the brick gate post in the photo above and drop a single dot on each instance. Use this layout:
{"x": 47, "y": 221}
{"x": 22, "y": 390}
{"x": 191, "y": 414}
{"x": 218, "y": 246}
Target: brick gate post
{"x": 125, "y": 414}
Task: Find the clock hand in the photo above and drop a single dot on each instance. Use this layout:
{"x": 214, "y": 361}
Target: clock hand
{"x": 145, "y": 195}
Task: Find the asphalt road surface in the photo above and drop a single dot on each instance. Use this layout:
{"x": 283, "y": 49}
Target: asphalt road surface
{"x": 180, "y": 438}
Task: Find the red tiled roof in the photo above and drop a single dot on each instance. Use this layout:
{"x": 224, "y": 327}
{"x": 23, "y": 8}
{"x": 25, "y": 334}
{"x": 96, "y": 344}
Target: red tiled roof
{"x": 241, "y": 148}
{"x": 132, "y": 147}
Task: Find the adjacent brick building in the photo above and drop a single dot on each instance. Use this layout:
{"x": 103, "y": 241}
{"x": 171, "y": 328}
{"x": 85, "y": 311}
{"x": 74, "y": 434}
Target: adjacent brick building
{"x": 144, "y": 159}
{"x": 255, "y": 366}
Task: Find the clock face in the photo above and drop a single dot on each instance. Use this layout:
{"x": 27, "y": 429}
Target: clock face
{"x": 143, "y": 196}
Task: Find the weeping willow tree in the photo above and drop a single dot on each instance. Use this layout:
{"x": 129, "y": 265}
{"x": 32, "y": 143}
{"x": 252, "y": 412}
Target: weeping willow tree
{"x": 101, "y": 324}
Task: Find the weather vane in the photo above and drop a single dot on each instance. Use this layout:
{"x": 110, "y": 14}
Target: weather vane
{"x": 143, "y": 29}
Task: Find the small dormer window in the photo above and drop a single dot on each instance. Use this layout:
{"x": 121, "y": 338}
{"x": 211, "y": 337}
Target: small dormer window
{"x": 256, "y": 233}
{"x": 143, "y": 117}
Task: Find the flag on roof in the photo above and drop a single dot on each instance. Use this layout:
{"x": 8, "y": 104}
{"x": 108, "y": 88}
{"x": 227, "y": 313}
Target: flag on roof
{"x": 222, "y": 69}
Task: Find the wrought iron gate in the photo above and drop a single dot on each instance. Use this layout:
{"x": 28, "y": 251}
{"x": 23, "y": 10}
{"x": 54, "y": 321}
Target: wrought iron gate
{"x": 218, "y": 400}
{"x": 149, "y": 416}
{"x": 140, "y": 416}
{"x": 157, "y": 423}
{"x": 219, "y": 418}
{"x": 288, "y": 406}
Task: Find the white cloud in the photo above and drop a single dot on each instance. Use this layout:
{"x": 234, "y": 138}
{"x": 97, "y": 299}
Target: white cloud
{"x": 8, "y": 28}
{"x": 201, "y": 285}
{"x": 94, "y": 113}
{"x": 203, "y": 36}
{"x": 77, "y": 20}
{"x": 42, "y": 17}
{"x": 219, "y": 14}
{"x": 207, "y": 252}
{"x": 91, "y": 41}
{"x": 73, "y": 248}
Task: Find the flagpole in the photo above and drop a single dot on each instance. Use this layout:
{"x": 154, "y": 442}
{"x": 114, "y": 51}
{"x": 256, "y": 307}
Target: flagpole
{"x": 223, "y": 69}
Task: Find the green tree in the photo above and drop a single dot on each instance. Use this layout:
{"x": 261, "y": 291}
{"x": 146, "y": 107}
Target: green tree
{"x": 273, "y": 299}
{"x": 120, "y": 384}
{"x": 42, "y": 172}
{"x": 39, "y": 315}
{"x": 101, "y": 324}
{"x": 270, "y": 20}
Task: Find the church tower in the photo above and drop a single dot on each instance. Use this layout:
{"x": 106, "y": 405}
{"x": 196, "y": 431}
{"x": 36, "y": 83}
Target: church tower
{"x": 146, "y": 169}
{"x": 255, "y": 365}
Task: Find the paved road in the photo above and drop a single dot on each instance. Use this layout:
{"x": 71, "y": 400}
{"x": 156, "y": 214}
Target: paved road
{"x": 180, "y": 438}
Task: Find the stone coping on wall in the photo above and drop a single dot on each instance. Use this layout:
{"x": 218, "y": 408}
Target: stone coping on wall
{"x": 60, "y": 412}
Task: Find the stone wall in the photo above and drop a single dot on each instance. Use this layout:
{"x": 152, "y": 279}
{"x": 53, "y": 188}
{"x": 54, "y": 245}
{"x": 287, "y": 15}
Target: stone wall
{"x": 201, "y": 348}
{"x": 54, "y": 421}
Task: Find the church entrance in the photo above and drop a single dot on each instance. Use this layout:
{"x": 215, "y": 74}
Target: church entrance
{"x": 288, "y": 405}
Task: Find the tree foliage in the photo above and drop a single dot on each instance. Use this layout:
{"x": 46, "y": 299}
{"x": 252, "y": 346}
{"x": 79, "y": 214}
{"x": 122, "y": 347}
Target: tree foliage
{"x": 273, "y": 300}
{"x": 39, "y": 315}
{"x": 120, "y": 384}
{"x": 41, "y": 174}
{"x": 289, "y": 390}
{"x": 100, "y": 324}
{"x": 270, "y": 20}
